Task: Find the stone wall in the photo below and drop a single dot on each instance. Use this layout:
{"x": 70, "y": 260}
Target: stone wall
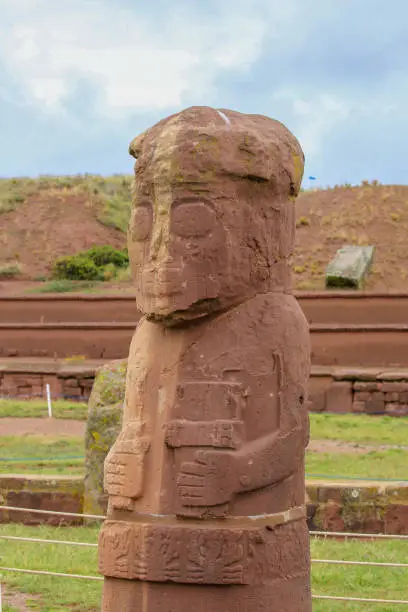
{"x": 359, "y": 507}
{"x": 359, "y": 391}
{"x": 56, "y": 493}
{"x": 370, "y": 391}
{"x": 65, "y": 383}
{"x": 363, "y": 507}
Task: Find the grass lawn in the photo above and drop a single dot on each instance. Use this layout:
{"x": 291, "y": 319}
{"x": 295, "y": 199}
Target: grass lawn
{"x": 389, "y": 464}
{"x": 57, "y": 594}
{"x": 359, "y": 428}
{"x": 363, "y": 429}
{"x": 61, "y": 409}
{"x": 41, "y": 455}
{"x": 64, "y": 455}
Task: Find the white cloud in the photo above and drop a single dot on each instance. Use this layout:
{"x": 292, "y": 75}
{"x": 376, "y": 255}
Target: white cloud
{"x": 137, "y": 63}
{"x": 314, "y": 116}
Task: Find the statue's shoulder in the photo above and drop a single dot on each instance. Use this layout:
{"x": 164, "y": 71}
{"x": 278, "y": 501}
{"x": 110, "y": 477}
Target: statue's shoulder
{"x": 247, "y": 334}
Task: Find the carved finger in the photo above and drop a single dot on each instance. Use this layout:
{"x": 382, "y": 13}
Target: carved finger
{"x": 112, "y": 479}
{"x": 190, "y": 480}
{"x": 193, "y": 492}
{"x": 202, "y": 457}
{"x": 194, "y": 468}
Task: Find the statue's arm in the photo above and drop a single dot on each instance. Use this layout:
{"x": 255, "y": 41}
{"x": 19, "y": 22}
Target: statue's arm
{"x": 275, "y": 456}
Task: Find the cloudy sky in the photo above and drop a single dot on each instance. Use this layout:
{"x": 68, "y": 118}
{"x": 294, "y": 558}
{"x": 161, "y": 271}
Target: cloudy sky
{"x": 80, "y": 78}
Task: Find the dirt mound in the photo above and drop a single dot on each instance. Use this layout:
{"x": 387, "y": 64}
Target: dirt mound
{"x": 42, "y": 219}
{"x": 370, "y": 214}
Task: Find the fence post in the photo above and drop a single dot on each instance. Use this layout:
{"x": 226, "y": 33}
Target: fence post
{"x": 47, "y": 386}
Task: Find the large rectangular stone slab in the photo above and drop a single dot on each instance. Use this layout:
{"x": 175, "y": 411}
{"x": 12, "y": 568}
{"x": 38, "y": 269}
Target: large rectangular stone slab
{"x": 349, "y": 267}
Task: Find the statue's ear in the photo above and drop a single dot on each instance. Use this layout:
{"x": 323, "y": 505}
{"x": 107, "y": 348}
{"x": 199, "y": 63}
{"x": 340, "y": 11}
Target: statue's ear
{"x": 135, "y": 147}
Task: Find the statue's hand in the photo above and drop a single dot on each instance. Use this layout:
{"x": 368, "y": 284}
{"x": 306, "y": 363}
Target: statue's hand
{"x": 209, "y": 480}
{"x": 124, "y": 466}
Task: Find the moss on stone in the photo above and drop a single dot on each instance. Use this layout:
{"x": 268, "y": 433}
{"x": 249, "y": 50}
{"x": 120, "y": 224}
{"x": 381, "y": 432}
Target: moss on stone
{"x": 105, "y": 409}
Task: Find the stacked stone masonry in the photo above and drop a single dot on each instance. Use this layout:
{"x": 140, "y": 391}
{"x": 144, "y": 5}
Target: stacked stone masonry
{"x": 351, "y": 507}
{"x": 330, "y": 390}
{"x": 76, "y": 386}
{"x": 367, "y": 392}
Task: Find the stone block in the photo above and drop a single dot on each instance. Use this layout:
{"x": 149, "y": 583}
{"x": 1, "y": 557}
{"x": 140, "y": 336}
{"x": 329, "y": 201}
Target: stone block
{"x": 71, "y": 382}
{"x": 87, "y": 383}
{"x": 72, "y": 392}
{"x": 339, "y": 397}
{"x": 349, "y": 267}
{"x": 396, "y": 519}
{"x": 359, "y": 407}
{"x": 55, "y": 385}
{"x": 376, "y": 403}
{"x": 394, "y": 387}
{"x": 317, "y": 392}
{"x": 392, "y": 397}
{"x": 396, "y": 409}
{"x": 361, "y": 396}
{"x": 360, "y": 385}
{"x": 103, "y": 425}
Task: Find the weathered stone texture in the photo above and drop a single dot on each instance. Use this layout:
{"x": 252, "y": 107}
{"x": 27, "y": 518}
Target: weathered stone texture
{"x": 215, "y": 419}
{"x": 105, "y": 410}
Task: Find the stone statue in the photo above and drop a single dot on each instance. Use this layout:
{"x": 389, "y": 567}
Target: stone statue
{"x": 206, "y": 479}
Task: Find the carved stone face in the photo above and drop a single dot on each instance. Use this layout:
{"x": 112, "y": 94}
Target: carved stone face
{"x": 205, "y": 229}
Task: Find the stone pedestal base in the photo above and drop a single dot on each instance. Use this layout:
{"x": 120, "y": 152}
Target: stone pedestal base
{"x": 133, "y": 596}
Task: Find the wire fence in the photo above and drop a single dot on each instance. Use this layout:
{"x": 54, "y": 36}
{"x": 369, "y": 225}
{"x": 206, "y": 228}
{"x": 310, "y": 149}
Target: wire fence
{"x": 314, "y": 534}
{"x": 342, "y": 562}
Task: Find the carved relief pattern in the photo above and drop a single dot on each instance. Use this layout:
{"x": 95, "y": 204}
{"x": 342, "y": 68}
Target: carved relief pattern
{"x": 178, "y": 554}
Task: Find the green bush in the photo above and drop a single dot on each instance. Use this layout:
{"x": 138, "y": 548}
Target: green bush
{"x": 104, "y": 255}
{"x": 109, "y": 272}
{"x": 76, "y": 267}
{"x": 98, "y": 263}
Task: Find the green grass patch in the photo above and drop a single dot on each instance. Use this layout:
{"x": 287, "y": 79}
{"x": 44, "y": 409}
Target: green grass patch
{"x": 66, "y": 286}
{"x": 61, "y": 409}
{"x": 362, "y": 428}
{"x": 115, "y": 212}
{"x": 42, "y": 455}
{"x": 56, "y": 594}
{"x": 384, "y": 464}
{"x": 10, "y": 270}
{"x": 353, "y": 581}
{"x": 78, "y": 595}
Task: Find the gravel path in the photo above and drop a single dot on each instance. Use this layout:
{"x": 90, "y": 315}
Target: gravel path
{"x": 48, "y": 427}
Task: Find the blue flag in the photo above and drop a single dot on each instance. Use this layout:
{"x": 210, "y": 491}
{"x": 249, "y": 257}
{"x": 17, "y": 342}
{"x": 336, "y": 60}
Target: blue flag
{"x": 311, "y": 178}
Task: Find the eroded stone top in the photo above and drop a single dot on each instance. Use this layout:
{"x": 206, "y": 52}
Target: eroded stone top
{"x": 213, "y": 215}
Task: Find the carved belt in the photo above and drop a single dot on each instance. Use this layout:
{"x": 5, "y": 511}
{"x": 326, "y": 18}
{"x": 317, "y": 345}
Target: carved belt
{"x": 236, "y": 550}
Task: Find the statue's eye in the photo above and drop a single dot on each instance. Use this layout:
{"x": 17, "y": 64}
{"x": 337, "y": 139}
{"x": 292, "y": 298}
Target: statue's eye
{"x": 192, "y": 220}
{"x": 141, "y": 222}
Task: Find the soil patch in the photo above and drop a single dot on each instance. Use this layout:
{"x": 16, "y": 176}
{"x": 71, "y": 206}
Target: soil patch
{"x": 49, "y": 225}
{"x": 45, "y": 426}
{"x": 370, "y": 214}
{"x": 50, "y": 222}
{"x": 338, "y": 446}
{"x": 18, "y": 600}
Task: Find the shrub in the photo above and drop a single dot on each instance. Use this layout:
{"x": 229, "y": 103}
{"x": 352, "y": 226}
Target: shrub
{"x": 109, "y": 271}
{"x": 76, "y": 267}
{"x": 124, "y": 275}
{"x": 104, "y": 255}
{"x": 10, "y": 270}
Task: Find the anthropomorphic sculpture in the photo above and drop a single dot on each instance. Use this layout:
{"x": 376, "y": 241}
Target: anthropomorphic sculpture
{"x": 206, "y": 479}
